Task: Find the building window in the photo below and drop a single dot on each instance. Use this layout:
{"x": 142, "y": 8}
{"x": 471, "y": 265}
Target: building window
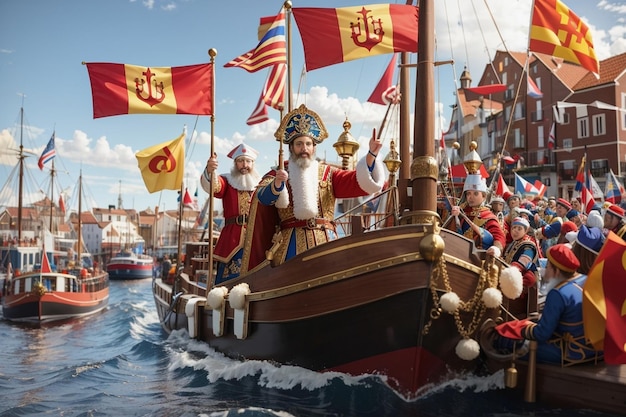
{"x": 540, "y": 137}
{"x": 583, "y": 129}
{"x": 568, "y": 169}
{"x": 599, "y": 124}
{"x": 506, "y": 61}
{"x": 599, "y": 167}
{"x": 519, "y": 111}
{"x": 519, "y": 139}
{"x": 565, "y": 118}
{"x": 567, "y": 143}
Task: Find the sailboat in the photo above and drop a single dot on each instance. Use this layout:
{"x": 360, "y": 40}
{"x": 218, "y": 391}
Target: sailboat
{"x": 370, "y": 302}
{"x": 34, "y": 292}
{"x": 367, "y": 303}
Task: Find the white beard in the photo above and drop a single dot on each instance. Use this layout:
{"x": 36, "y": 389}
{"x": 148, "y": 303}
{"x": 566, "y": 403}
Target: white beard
{"x": 552, "y": 283}
{"x": 305, "y": 189}
{"x": 243, "y": 182}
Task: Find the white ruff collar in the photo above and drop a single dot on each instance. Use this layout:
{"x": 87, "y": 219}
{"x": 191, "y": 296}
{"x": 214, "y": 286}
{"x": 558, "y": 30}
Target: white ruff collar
{"x": 305, "y": 190}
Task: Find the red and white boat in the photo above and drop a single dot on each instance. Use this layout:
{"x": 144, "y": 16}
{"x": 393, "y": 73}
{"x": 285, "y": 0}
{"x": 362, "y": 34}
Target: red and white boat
{"x": 127, "y": 265}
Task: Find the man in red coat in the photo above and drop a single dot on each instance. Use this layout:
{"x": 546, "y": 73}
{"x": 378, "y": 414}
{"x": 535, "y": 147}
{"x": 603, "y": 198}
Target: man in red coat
{"x": 235, "y": 190}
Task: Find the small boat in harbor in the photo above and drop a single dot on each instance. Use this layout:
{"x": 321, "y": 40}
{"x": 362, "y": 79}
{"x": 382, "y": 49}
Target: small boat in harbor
{"x": 127, "y": 265}
{"x": 34, "y": 289}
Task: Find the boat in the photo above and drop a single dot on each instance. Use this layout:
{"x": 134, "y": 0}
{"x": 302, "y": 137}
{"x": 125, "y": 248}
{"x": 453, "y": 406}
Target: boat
{"x": 370, "y": 302}
{"x": 35, "y": 291}
{"x": 367, "y": 303}
{"x": 127, "y": 265}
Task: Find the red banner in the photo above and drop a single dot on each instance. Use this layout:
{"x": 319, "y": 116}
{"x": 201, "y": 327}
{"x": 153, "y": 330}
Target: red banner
{"x": 129, "y": 89}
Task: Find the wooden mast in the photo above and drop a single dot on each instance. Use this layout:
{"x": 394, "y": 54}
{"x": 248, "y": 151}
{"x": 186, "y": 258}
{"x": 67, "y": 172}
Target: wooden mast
{"x": 20, "y": 202}
{"x": 424, "y": 167}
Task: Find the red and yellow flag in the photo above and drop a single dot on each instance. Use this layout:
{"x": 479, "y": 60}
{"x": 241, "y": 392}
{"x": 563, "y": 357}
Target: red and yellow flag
{"x": 604, "y": 301}
{"x": 331, "y": 36}
{"x": 557, "y": 31}
{"x": 128, "y": 89}
{"x": 163, "y": 166}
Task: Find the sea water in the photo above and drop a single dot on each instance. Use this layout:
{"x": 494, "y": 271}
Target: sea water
{"x": 121, "y": 363}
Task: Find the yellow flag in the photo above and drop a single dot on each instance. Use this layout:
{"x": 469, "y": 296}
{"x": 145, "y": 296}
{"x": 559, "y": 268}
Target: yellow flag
{"x": 163, "y": 166}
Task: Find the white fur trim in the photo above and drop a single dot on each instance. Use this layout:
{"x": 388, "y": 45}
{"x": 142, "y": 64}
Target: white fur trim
{"x": 283, "y": 199}
{"x": 216, "y": 297}
{"x": 467, "y": 349}
{"x": 492, "y": 298}
{"x": 511, "y": 282}
{"x": 237, "y": 297}
{"x": 370, "y": 182}
{"x": 305, "y": 190}
{"x": 450, "y": 302}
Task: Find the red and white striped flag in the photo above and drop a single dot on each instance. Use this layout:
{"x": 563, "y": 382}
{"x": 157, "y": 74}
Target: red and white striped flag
{"x": 587, "y": 200}
{"x": 271, "y": 49}
{"x": 273, "y": 94}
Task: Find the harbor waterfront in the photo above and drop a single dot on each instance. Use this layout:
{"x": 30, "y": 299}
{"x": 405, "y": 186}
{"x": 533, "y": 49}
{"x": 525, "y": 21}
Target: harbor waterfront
{"x": 120, "y": 362}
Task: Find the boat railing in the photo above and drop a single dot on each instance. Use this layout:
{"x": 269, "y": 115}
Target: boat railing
{"x": 373, "y": 213}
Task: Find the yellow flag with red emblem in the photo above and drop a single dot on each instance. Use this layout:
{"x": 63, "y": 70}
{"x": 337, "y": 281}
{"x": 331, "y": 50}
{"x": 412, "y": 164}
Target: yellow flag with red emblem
{"x": 163, "y": 166}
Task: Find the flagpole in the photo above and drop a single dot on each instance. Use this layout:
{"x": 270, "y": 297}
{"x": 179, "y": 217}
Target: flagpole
{"x": 211, "y": 278}
{"x": 281, "y": 152}
{"x": 287, "y": 6}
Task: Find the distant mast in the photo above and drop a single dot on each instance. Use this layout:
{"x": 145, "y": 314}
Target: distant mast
{"x": 20, "y": 203}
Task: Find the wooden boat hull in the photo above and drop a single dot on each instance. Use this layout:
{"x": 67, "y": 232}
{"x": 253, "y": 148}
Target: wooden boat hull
{"x": 361, "y": 305}
{"x": 38, "y": 304}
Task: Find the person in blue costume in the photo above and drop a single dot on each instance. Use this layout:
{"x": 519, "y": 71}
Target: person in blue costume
{"x": 522, "y": 252}
{"x": 559, "y": 332}
{"x": 299, "y": 200}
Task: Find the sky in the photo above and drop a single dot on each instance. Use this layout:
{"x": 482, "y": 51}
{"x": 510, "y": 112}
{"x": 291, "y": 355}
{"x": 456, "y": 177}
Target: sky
{"x": 44, "y": 42}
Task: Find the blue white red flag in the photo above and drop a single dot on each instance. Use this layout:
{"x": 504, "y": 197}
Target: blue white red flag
{"x": 533, "y": 90}
{"x": 48, "y": 153}
{"x": 524, "y": 187}
{"x": 614, "y": 189}
{"x": 270, "y": 50}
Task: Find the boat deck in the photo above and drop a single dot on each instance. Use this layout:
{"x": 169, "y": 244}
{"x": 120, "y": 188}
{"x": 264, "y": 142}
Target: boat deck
{"x": 600, "y": 387}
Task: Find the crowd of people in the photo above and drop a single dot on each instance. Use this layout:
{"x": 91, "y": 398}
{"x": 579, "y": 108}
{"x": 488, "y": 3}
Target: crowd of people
{"x": 527, "y": 231}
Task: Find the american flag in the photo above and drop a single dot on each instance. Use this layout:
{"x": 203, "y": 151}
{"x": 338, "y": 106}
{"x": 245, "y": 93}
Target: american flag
{"x": 48, "y": 153}
{"x": 271, "y": 49}
{"x": 273, "y": 94}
